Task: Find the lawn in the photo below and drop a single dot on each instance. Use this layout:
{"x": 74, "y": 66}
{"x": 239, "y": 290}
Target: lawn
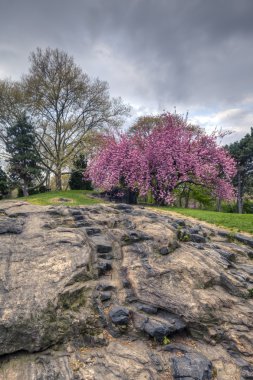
{"x": 75, "y": 197}
{"x": 235, "y": 222}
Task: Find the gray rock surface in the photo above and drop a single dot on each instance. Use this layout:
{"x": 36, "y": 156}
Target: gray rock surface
{"x": 119, "y": 315}
{"x": 68, "y": 275}
{"x": 192, "y": 366}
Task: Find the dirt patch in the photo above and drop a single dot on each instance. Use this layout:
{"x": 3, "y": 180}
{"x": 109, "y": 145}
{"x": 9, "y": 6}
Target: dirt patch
{"x": 62, "y": 200}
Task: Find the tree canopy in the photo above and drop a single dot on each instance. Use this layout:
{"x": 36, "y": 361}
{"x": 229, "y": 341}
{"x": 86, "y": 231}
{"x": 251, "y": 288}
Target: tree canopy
{"x": 242, "y": 151}
{"x": 171, "y": 154}
{"x": 64, "y": 104}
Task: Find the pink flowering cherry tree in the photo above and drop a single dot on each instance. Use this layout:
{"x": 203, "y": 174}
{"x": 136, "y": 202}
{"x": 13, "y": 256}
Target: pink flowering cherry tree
{"x": 171, "y": 154}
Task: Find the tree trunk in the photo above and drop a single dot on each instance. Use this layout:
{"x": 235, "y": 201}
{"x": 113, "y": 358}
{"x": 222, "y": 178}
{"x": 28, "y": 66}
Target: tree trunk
{"x": 25, "y": 190}
{"x": 180, "y": 200}
{"x": 239, "y": 194}
{"x": 131, "y": 197}
{"x": 187, "y": 198}
{"x": 58, "y": 181}
{"x": 48, "y": 181}
{"x": 218, "y": 206}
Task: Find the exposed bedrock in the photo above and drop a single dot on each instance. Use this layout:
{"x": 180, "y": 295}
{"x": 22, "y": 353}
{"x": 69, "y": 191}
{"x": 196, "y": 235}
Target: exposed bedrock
{"x": 121, "y": 292}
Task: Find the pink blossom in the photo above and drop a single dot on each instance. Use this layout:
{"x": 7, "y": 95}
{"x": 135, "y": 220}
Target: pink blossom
{"x": 173, "y": 152}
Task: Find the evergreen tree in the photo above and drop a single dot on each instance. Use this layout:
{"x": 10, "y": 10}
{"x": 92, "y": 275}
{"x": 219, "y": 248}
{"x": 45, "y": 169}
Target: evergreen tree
{"x": 242, "y": 151}
{"x": 4, "y": 183}
{"x": 24, "y": 160}
{"x": 77, "y": 181}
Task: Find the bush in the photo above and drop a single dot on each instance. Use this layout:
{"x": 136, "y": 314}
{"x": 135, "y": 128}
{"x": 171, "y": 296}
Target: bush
{"x": 41, "y": 189}
{"x": 248, "y": 207}
{"x": 77, "y": 181}
{"x": 232, "y": 207}
{"x": 229, "y": 207}
{"x": 4, "y": 184}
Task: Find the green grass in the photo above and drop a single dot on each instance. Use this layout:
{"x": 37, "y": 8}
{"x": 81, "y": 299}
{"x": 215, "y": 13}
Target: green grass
{"x": 235, "y": 222}
{"x": 76, "y": 197}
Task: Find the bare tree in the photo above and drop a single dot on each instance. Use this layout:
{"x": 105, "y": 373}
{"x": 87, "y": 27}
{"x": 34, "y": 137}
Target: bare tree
{"x": 66, "y": 106}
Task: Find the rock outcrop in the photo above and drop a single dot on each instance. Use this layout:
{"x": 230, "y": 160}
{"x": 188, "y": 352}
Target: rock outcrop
{"x": 121, "y": 292}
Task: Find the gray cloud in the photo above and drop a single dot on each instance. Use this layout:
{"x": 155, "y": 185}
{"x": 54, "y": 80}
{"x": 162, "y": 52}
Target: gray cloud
{"x": 156, "y": 54}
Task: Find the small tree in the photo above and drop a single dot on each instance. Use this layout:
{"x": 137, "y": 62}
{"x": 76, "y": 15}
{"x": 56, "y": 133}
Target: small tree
{"x": 77, "y": 181}
{"x": 24, "y": 160}
{"x": 4, "y": 183}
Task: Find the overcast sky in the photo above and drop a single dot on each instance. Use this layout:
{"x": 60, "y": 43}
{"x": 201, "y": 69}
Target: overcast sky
{"x": 196, "y": 55}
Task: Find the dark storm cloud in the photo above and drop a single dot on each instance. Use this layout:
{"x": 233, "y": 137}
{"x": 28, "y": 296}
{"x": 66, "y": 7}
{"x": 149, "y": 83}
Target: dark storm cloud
{"x": 195, "y": 54}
